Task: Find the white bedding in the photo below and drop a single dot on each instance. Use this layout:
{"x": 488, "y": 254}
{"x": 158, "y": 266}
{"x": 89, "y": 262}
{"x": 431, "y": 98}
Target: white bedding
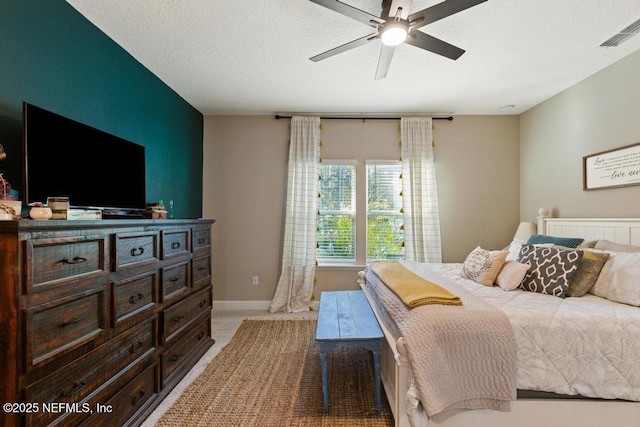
{"x": 585, "y": 346}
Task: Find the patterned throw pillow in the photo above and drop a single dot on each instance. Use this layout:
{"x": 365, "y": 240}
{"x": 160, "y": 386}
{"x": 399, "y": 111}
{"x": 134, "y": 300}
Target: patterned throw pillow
{"x": 551, "y": 269}
{"x": 483, "y": 266}
{"x": 588, "y": 271}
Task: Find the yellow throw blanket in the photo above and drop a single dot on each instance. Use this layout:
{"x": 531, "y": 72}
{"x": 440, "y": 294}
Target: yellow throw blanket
{"x": 412, "y": 289}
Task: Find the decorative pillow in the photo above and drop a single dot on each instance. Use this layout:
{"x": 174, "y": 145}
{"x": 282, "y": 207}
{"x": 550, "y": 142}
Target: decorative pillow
{"x": 511, "y": 275}
{"x": 619, "y": 279}
{"x": 483, "y": 266}
{"x": 606, "y": 245}
{"x": 569, "y": 242}
{"x": 587, "y": 244}
{"x": 514, "y": 250}
{"x": 551, "y": 269}
{"x": 588, "y": 271}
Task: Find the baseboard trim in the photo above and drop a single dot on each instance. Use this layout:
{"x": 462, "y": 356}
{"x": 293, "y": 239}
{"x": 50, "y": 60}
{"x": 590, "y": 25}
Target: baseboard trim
{"x": 251, "y": 305}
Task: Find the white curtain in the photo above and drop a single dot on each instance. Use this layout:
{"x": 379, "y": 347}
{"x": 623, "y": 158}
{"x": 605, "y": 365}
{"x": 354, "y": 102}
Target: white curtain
{"x": 295, "y": 286}
{"x": 419, "y": 191}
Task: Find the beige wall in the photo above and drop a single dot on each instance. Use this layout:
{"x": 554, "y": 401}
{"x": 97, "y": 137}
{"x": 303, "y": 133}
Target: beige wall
{"x": 492, "y": 171}
{"x": 598, "y": 114}
{"x": 244, "y": 187}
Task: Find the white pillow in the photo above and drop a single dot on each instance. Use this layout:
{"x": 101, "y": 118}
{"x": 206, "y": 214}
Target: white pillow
{"x": 511, "y": 275}
{"x": 483, "y": 266}
{"x": 607, "y": 245}
{"x": 619, "y": 279}
{"x": 514, "y": 250}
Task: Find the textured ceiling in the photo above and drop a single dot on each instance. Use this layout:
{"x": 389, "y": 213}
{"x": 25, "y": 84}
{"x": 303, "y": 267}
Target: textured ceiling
{"x": 251, "y": 57}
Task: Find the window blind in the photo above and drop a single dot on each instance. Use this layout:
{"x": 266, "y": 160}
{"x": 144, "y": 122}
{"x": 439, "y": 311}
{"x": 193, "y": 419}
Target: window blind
{"x": 385, "y": 234}
{"x": 336, "y": 213}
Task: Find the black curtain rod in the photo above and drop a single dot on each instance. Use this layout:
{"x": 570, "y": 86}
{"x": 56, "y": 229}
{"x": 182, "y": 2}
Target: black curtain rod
{"x": 278, "y": 117}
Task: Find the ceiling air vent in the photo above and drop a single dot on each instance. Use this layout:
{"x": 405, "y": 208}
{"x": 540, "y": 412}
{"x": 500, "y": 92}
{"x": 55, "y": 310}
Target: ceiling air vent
{"x": 623, "y": 35}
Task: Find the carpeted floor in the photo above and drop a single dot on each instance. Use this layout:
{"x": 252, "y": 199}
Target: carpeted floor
{"x": 269, "y": 375}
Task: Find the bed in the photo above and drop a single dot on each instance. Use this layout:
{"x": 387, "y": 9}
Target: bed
{"x": 588, "y": 375}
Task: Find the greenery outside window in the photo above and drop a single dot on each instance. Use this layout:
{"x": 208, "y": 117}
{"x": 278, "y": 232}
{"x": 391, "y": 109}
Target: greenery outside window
{"x": 385, "y": 233}
{"x": 337, "y": 212}
{"x": 359, "y": 219}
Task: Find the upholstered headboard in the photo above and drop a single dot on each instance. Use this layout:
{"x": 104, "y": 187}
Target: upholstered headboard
{"x": 619, "y": 230}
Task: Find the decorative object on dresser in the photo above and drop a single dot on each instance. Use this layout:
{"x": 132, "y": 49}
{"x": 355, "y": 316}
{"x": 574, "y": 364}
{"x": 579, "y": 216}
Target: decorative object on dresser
{"x": 40, "y": 213}
{"x": 101, "y": 317}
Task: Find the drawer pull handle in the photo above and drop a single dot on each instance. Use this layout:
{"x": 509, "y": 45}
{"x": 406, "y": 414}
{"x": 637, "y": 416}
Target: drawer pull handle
{"x": 75, "y": 260}
{"x": 175, "y": 245}
{"x": 203, "y": 303}
{"x": 137, "y": 251}
{"x": 176, "y": 357}
{"x": 137, "y": 346}
{"x": 174, "y": 279}
{"x": 178, "y": 318}
{"x": 200, "y": 336}
{"x": 202, "y": 268}
{"x": 72, "y": 321}
{"x": 201, "y": 240}
{"x": 136, "y": 298}
{"x": 138, "y": 396}
{"x": 76, "y": 387}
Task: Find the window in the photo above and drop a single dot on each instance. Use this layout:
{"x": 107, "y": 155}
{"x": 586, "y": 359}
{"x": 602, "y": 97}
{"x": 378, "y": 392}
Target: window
{"x": 337, "y": 212}
{"x": 385, "y": 234}
{"x": 359, "y": 220}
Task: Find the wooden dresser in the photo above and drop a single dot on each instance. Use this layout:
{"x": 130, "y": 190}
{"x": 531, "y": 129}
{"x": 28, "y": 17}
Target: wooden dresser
{"x": 99, "y": 320}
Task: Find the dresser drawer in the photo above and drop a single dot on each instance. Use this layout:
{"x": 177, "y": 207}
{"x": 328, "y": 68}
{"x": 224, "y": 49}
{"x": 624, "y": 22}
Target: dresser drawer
{"x": 175, "y": 281}
{"x": 130, "y": 399}
{"x": 134, "y": 249}
{"x": 175, "y": 242}
{"x": 201, "y": 271}
{"x": 56, "y": 261}
{"x": 79, "y": 379}
{"x": 135, "y": 295}
{"x": 176, "y": 358}
{"x": 201, "y": 243}
{"x": 180, "y": 315}
{"x": 65, "y": 324}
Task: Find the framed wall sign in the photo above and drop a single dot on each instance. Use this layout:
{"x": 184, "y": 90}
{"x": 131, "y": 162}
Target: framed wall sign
{"x": 619, "y": 167}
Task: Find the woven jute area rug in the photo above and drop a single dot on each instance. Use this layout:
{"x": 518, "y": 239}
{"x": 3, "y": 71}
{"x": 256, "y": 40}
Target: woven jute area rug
{"x": 269, "y": 375}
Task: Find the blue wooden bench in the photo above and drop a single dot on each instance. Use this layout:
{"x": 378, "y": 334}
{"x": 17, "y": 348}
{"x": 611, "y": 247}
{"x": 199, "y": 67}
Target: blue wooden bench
{"x": 345, "y": 319}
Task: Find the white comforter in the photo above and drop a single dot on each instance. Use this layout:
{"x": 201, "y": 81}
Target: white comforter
{"x": 586, "y": 345}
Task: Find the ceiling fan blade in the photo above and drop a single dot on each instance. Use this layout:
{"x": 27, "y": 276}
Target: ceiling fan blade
{"x": 432, "y": 44}
{"x": 440, "y": 10}
{"x": 351, "y": 12}
{"x": 386, "y": 55}
{"x": 343, "y": 48}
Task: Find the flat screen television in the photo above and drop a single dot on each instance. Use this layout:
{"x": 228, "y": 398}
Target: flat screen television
{"x": 93, "y": 168}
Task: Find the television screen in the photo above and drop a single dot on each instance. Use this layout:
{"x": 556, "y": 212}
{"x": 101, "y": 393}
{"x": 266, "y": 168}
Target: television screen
{"x": 94, "y": 169}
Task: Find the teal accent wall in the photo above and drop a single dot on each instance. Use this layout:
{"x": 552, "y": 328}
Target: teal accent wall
{"x": 53, "y": 57}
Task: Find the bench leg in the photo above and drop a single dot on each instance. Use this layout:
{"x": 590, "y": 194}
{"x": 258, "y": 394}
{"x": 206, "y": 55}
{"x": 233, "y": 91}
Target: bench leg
{"x": 376, "y": 368}
{"x": 325, "y": 385}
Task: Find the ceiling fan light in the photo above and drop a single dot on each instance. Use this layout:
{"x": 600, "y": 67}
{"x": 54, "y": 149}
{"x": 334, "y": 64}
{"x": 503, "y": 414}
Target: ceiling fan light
{"x": 394, "y": 33}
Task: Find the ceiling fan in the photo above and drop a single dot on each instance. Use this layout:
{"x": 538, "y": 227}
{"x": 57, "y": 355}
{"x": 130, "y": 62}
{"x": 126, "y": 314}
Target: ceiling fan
{"x": 395, "y": 25}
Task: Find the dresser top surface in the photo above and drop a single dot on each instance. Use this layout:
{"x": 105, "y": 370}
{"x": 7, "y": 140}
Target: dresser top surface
{"x": 41, "y": 225}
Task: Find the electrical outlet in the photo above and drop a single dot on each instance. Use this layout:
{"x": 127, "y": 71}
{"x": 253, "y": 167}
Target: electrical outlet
{"x": 255, "y": 281}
